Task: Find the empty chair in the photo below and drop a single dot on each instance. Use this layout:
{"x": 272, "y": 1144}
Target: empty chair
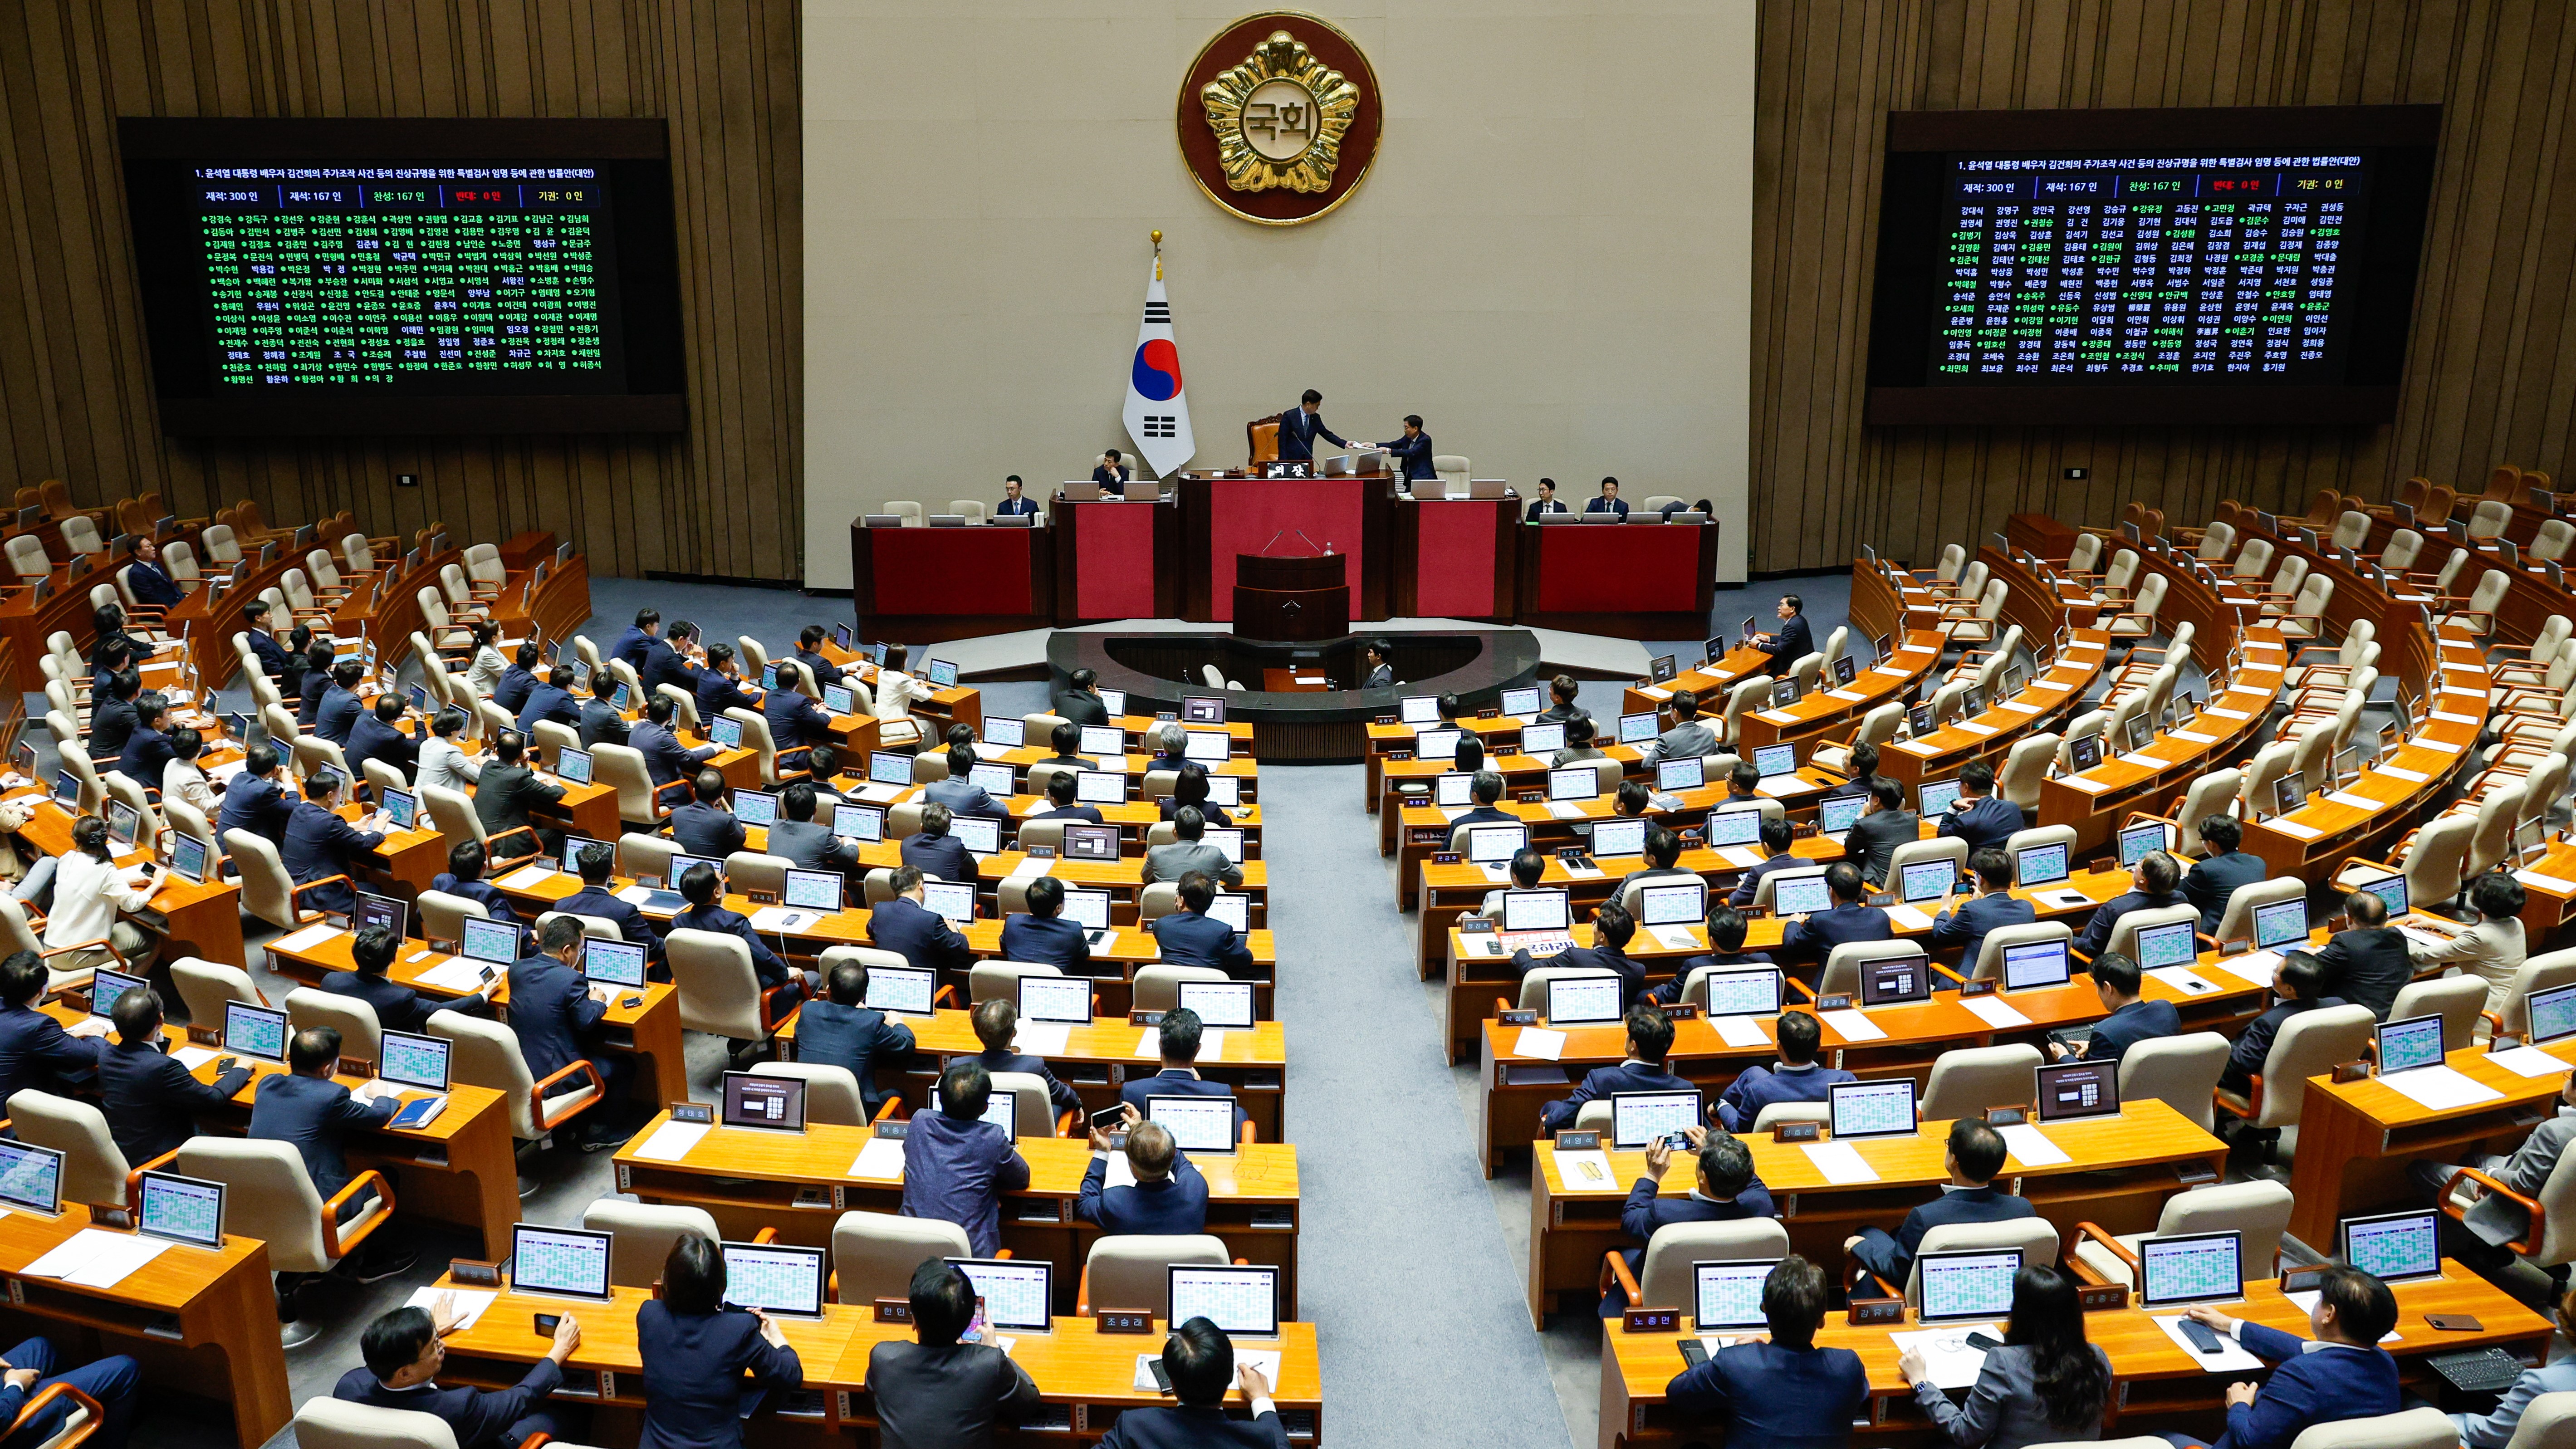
{"x": 720, "y": 993}
{"x": 2459, "y": 1000}
{"x": 486, "y": 1054}
{"x": 1968, "y": 1080}
{"x": 204, "y": 986}
{"x": 2260, "y": 1210}
{"x": 874, "y": 1254}
{"x": 323, "y": 1422}
{"x": 1035, "y": 1113}
{"x": 274, "y": 1201}
{"x": 1843, "y": 966}
{"x": 361, "y": 1035}
{"x": 831, "y": 1093}
{"x": 94, "y": 1169}
{"x": 1663, "y": 1278}
{"x": 2180, "y": 1071}
{"x": 645, "y": 1233}
{"x": 2309, "y": 1045}
{"x": 2412, "y": 1429}
{"x": 1133, "y": 1270}
{"x": 2236, "y": 920}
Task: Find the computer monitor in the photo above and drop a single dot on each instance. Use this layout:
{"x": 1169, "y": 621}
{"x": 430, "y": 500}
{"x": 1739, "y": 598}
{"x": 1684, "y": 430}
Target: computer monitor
{"x": 814, "y": 890}
{"x": 837, "y": 699}
{"x": 1100, "y": 787}
{"x": 979, "y": 834}
{"x": 2072, "y": 1091}
{"x": 384, "y": 912}
{"x": 1785, "y": 692}
{"x": 2281, "y": 923}
{"x": 942, "y": 673}
{"x": 1103, "y": 740}
{"x": 1453, "y": 791}
{"x": 1243, "y": 1301}
{"x": 1689, "y": 772}
{"x": 2138, "y": 732}
{"x": 864, "y": 823}
{"x": 2552, "y": 1013}
{"x": 1225, "y": 791}
{"x": 2408, "y": 1043}
{"x": 1611, "y": 838}
{"x": 1883, "y": 1108}
{"x": 1537, "y": 910}
{"x": 1926, "y": 880}
{"x": 1934, "y": 796}
{"x": 496, "y": 942}
{"x": 1725, "y": 827}
{"x": 2391, "y": 890}
{"x": 1776, "y": 760}
{"x": 559, "y": 1262}
{"x": 1085, "y": 841}
{"x": 1006, "y": 730}
{"x": 755, "y": 807}
{"x": 2039, "y": 865}
{"x": 255, "y": 1031}
{"x": 2289, "y": 792}
{"x": 1435, "y": 744}
{"x": 1672, "y": 902}
{"x": 31, "y": 1178}
{"x": 1542, "y": 739}
{"x": 767, "y": 1104}
{"x": 1581, "y": 782}
{"x": 1799, "y": 892}
{"x": 1584, "y": 1000}
{"x": 1754, "y": 991}
{"x": 1727, "y": 1293}
{"x": 681, "y": 865}
{"x": 1226, "y": 1005}
{"x": 402, "y": 807}
{"x": 774, "y": 1278}
{"x": 188, "y": 858}
{"x": 617, "y": 963}
{"x": 1209, "y": 747}
{"x": 889, "y": 767}
{"x": 1638, "y": 1119}
{"x": 121, "y": 820}
{"x": 411, "y": 1060}
{"x": 1495, "y": 844}
{"x": 1418, "y": 709}
{"x": 181, "y": 1209}
{"x": 624, "y": 698}
{"x": 2084, "y": 752}
{"x": 1065, "y": 999}
{"x": 2166, "y": 944}
{"x": 2394, "y": 1247}
{"x": 2190, "y": 1268}
{"x": 904, "y": 990}
{"x": 1113, "y": 700}
{"x": 1227, "y": 840}
{"x": 1636, "y": 729}
{"x": 1838, "y": 813}
{"x": 1018, "y": 1294}
{"x": 1197, "y": 1124}
{"x": 106, "y": 986}
{"x": 993, "y": 779}
{"x": 1203, "y": 709}
{"x": 573, "y": 765}
{"x": 66, "y": 789}
{"x": 1972, "y": 1284}
{"x": 1088, "y": 909}
{"x": 725, "y": 732}
{"x": 1234, "y": 910}
{"x": 949, "y": 899}
{"x": 1525, "y": 700}
{"x": 2030, "y": 965}
{"x": 1890, "y": 980}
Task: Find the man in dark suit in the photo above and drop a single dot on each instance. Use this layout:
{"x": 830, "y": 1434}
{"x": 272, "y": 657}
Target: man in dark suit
{"x": 1796, "y": 1076}
{"x": 1872, "y": 840}
{"x": 466, "y": 862}
{"x": 706, "y": 825}
{"x": 961, "y": 794}
{"x": 1168, "y": 1196}
{"x": 257, "y": 800}
{"x": 319, "y": 844}
{"x": 519, "y": 679}
{"x": 809, "y": 652}
{"x": 1061, "y": 787}
{"x": 1863, "y": 765}
{"x": 1411, "y": 454}
{"x": 2298, "y": 984}
{"x": 1199, "y": 1359}
{"x": 1609, "y": 500}
{"x": 665, "y": 758}
{"x": 1992, "y": 908}
{"x": 1611, "y": 928}
{"x": 796, "y": 722}
{"x": 404, "y": 1353}
{"x": 795, "y": 836}
{"x": 556, "y": 1015}
{"x": 1726, "y": 931}
{"x": 1975, "y": 1154}
{"x": 601, "y": 724}
{"x": 508, "y": 795}
{"x": 150, "y": 583}
{"x": 1181, "y": 1033}
{"x": 1545, "y": 502}
{"x": 316, "y": 687}
{"x": 1113, "y": 470}
{"x": 147, "y": 746}
{"x": 1301, "y": 425}
{"x": 2215, "y": 877}
{"x": 840, "y": 1029}
{"x": 1381, "y": 671}
{"x": 551, "y": 698}
{"x": 1080, "y": 701}
{"x": 956, "y": 1165}
{"x": 934, "y": 851}
{"x": 303, "y": 1108}
{"x": 1980, "y": 816}
{"x": 1043, "y": 936}
{"x": 35, "y": 1051}
{"x": 1066, "y": 740}
{"x": 934, "y": 1391}
{"x": 1813, "y": 937}
{"x": 1661, "y": 856}
{"x": 706, "y": 912}
{"x": 2133, "y": 1019}
{"x": 2341, "y": 1374}
{"x": 2152, "y": 887}
{"x": 1191, "y": 937}
{"x": 153, "y": 1103}
{"x": 1786, "y": 1392}
{"x": 1561, "y": 706}
{"x": 1486, "y": 789}
{"x": 112, "y": 714}
{"x": 720, "y": 686}
{"x": 379, "y": 735}
{"x": 1776, "y": 856}
{"x": 997, "y": 1026}
{"x": 263, "y": 644}
{"x": 1650, "y": 1041}
{"x": 666, "y": 660}
{"x": 340, "y": 704}
{"x": 596, "y": 899}
{"x": 397, "y": 1007}
{"x": 1015, "y": 501}
{"x": 2368, "y": 962}
{"x": 1793, "y": 640}
{"x": 1726, "y": 1192}
{"x": 915, "y": 932}
{"x": 637, "y": 641}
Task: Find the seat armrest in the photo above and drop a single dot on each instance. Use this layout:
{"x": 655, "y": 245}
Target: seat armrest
{"x": 134, "y": 1179}
{"x": 2531, "y": 1235}
{"x": 101, "y": 944}
{"x": 2095, "y": 1231}
{"x": 51, "y": 1394}
{"x": 765, "y": 1236}
{"x": 892, "y": 1111}
{"x": 332, "y": 1247}
{"x": 2252, "y": 1100}
{"x": 581, "y": 1067}
{"x": 1614, "y": 1269}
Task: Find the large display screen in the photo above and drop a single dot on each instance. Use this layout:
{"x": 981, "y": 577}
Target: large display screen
{"x": 430, "y": 276}
{"x": 2147, "y": 266}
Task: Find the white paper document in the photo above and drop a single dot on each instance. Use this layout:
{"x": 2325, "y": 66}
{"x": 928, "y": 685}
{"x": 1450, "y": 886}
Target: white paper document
{"x": 2017, "y": 707}
{"x": 1031, "y": 867}
{"x": 2184, "y": 980}
{"x": 2089, "y": 787}
{"x": 1586, "y": 1171}
{"x": 671, "y": 1141}
{"x": 1847, "y": 696}
{"x": 1538, "y": 1041}
{"x": 1674, "y": 938}
{"x": 1651, "y": 692}
{"x": 95, "y": 1258}
{"x": 2142, "y": 760}
{"x": 1266, "y": 1360}
{"x": 636, "y": 895}
{"x": 459, "y": 974}
{"x": 1853, "y": 1025}
{"x": 307, "y": 939}
{"x": 1909, "y": 919}
{"x": 2193, "y": 737}
{"x": 2230, "y": 1355}
{"x": 2031, "y": 1147}
{"x": 2256, "y": 969}
{"x": 1149, "y": 1044}
{"x": 1994, "y": 1011}
{"x": 881, "y": 1159}
{"x": 2307, "y": 1303}
{"x": 1739, "y": 1031}
{"x": 784, "y": 918}
{"x": 2546, "y": 882}
{"x": 2440, "y": 1088}
{"x": 2294, "y": 828}
{"x": 2529, "y": 1061}
{"x": 1046, "y": 1038}
{"x": 2449, "y": 718}
{"x": 1840, "y": 1162}
{"x": 1974, "y": 728}
{"x": 1119, "y": 1172}
{"x": 193, "y": 1057}
{"x": 2357, "y": 802}
{"x": 469, "y": 1303}
{"x": 2412, "y": 777}
{"x": 1947, "y": 1358}
{"x": 2068, "y": 899}
{"x": 527, "y": 878}
{"x": 1742, "y": 857}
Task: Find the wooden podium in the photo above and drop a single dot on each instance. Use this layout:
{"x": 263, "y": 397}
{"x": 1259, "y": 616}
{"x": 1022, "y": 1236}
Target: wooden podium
{"x": 1298, "y": 600}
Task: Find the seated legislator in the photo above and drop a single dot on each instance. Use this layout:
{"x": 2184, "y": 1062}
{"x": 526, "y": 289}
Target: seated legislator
{"x": 1190, "y": 853}
{"x": 1872, "y": 840}
{"x": 935, "y": 852}
{"x": 1060, "y": 790}
{"x": 1190, "y": 788}
{"x": 961, "y": 795}
{"x": 397, "y": 1007}
{"x": 956, "y": 1165}
{"x": 795, "y": 721}
{"x": 1863, "y": 765}
{"x": 1411, "y": 453}
{"x": 443, "y": 762}
{"x": 915, "y": 932}
{"x": 797, "y": 838}
{"x": 706, "y": 825}
{"x": 2494, "y": 1220}
{"x": 152, "y": 585}
{"x": 340, "y": 704}
{"x": 1690, "y": 735}
{"x": 404, "y": 1351}
{"x": 2492, "y": 947}
{"x": 637, "y": 642}
{"x": 263, "y": 642}
{"x": 1609, "y": 500}
{"x": 601, "y": 724}
{"x": 595, "y": 862}
{"x": 1980, "y": 816}
{"x": 1796, "y": 1077}
{"x": 1545, "y": 502}
{"x": 696, "y": 1348}
{"x": 2367, "y": 963}
{"x": 1470, "y": 756}
{"x": 1079, "y": 702}
{"x": 1662, "y": 857}
{"x": 1042, "y": 936}
{"x": 1065, "y": 739}
{"x": 809, "y": 652}
{"x": 259, "y": 800}
{"x": 1579, "y": 745}
{"x": 1725, "y": 1190}
{"x": 1992, "y": 908}
{"x": 319, "y": 845}
{"x": 2046, "y": 1384}
{"x": 510, "y": 791}
{"x": 1301, "y": 425}
{"x": 1561, "y": 692}
{"x": 2298, "y": 984}
{"x": 114, "y": 1383}
{"x": 556, "y": 1012}
{"x": 466, "y": 862}
{"x": 379, "y": 735}
{"x": 2340, "y": 1374}
{"x": 1112, "y": 470}
{"x": 1486, "y": 789}
{"x": 706, "y": 912}
{"x": 997, "y": 1026}
{"x": 1168, "y": 1196}
{"x": 1974, "y": 1155}
{"x": 152, "y": 1103}
{"x": 1191, "y": 937}
{"x": 35, "y": 1051}
{"x": 2133, "y": 1019}
{"x": 720, "y": 685}
{"x": 1528, "y": 867}
{"x": 840, "y": 1029}
{"x": 1650, "y": 1041}
{"x": 2154, "y": 884}
{"x": 935, "y": 1392}
{"x": 318, "y": 669}
{"x": 665, "y": 758}
{"x": 112, "y": 713}
{"x": 92, "y": 895}
{"x": 1812, "y": 936}
{"x": 1776, "y": 836}
{"x": 667, "y": 660}
{"x": 147, "y": 745}
{"x": 1793, "y": 640}
{"x": 1612, "y": 926}
{"x": 1726, "y": 932}
{"x": 1199, "y": 1360}
{"x": 1784, "y": 1394}
{"x": 511, "y": 690}
{"x": 1180, "y": 1035}
{"x": 2215, "y": 876}
{"x": 551, "y": 699}
{"x": 303, "y": 1108}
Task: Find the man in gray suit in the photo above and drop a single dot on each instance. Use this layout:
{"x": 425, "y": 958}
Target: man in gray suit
{"x": 2479, "y": 1238}
{"x": 1189, "y": 853}
{"x": 961, "y": 795}
{"x": 797, "y": 838}
{"x": 1689, "y": 734}
{"x": 935, "y": 1390}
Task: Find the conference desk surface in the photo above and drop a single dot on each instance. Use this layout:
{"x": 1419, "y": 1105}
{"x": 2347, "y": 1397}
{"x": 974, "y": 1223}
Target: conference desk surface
{"x": 2157, "y": 1378}
{"x": 2118, "y": 1173}
{"x": 202, "y": 920}
{"x": 954, "y": 703}
{"x": 1084, "y": 1375}
{"x": 1413, "y": 833}
{"x": 800, "y": 1183}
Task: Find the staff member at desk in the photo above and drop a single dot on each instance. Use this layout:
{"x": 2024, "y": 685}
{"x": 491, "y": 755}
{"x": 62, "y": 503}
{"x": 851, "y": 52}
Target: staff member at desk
{"x": 1794, "y": 640}
{"x": 1609, "y": 500}
{"x": 1013, "y": 505}
{"x": 1786, "y": 1392}
{"x": 1169, "y": 1196}
{"x": 509, "y": 792}
{"x": 1974, "y": 1154}
{"x": 404, "y": 1354}
{"x": 842, "y": 1030}
{"x": 1112, "y": 470}
{"x": 1199, "y": 1359}
{"x": 1301, "y": 425}
{"x": 797, "y": 838}
{"x": 937, "y": 1393}
{"x": 1412, "y": 452}
{"x": 1545, "y": 502}
{"x": 696, "y": 1349}
{"x": 956, "y": 1165}
{"x": 257, "y": 800}
{"x": 1190, "y": 937}
{"x": 2341, "y": 1374}
{"x": 2046, "y": 1384}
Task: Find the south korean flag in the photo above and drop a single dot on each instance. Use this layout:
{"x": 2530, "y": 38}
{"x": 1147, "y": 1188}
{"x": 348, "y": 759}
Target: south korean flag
{"x": 1158, "y": 412}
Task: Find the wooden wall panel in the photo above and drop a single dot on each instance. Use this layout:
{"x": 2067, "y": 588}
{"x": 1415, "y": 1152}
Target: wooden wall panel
{"x": 2492, "y": 365}
{"x": 724, "y": 499}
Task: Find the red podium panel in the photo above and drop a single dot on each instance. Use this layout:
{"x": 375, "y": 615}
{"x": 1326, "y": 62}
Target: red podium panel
{"x": 1223, "y": 517}
{"x": 1632, "y": 580}
{"x": 928, "y": 584}
{"x": 1454, "y": 558}
{"x": 1116, "y": 560}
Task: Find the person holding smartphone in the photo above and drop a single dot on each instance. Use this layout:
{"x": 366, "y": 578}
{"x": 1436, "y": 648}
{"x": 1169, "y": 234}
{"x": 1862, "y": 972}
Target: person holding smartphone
{"x": 1168, "y": 1196}
{"x": 940, "y": 1390}
{"x": 2043, "y": 1384}
{"x": 696, "y": 1349}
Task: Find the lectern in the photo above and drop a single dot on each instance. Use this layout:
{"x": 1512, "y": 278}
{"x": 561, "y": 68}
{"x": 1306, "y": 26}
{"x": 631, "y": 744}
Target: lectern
{"x": 1293, "y": 599}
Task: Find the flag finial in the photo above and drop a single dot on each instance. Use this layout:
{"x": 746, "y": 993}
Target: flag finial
{"x": 1158, "y": 240}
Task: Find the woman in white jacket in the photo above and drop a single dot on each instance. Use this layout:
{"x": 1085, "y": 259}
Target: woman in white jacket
{"x": 2492, "y": 948}
{"x": 90, "y": 890}
{"x": 485, "y": 671}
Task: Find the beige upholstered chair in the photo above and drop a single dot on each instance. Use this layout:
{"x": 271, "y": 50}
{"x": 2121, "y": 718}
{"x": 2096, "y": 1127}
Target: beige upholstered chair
{"x": 831, "y": 1093}
{"x": 94, "y": 1168}
{"x": 2036, "y": 1237}
{"x": 273, "y": 1201}
{"x": 2259, "y": 1209}
{"x": 1036, "y": 1113}
{"x": 719, "y": 991}
{"x": 874, "y": 1254}
{"x": 1131, "y": 1270}
{"x": 324, "y": 1422}
{"x": 1968, "y": 1080}
{"x": 2310, "y": 1044}
{"x": 486, "y": 1054}
{"x": 204, "y": 986}
{"x": 2180, "y": 1071}
{"x": 361, "y": 1035}
{"x": 645, "y": 1234}
{"x": 2413, "y": 1429}
{"x": 1664, "y": 1279}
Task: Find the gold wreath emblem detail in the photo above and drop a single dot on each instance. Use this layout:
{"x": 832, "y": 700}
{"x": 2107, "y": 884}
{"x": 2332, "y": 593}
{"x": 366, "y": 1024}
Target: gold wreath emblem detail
{"x": 1279, "y": 118}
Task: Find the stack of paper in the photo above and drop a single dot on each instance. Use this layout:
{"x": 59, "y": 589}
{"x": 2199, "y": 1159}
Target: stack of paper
{"x": 2412, "y": 777}
{"x": 636, "y": 895}
{"x": 1853, "y": 1025}
{"x": 2032, "y": 1146}
{"x": 459, "y": 974}
{"x": 527, "y": 878}
{"x": 1840, "y": 1162}
{"x": 2546, "y": 882}
{"x": 2256, "y": 969}
{"x": 1031, "y": 867}
{"x": 1994, "y": 1011}
{"x": 307, "y": 939}
{"x": 2440, "y": 1088}
{"x": 1538, "y": 1041}
{"x": 95, "y": 1258}
{"x": 2184, "y": 980}
{"x": 469, "y": 1303}
{"x": 1585, "y": 1171}
{"x": 1909, "y": 919}
{"x": 1046, "y": 1038}
{"x": 671, "y": 1141}
{"x": 1742, "y": 1031}
{"x": 2529, "y": 1061}
{"x": 881, "y": 1159}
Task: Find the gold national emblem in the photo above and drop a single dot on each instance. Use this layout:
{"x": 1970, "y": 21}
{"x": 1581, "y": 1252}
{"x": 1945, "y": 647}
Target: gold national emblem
{"x": 1279, "y": 117}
